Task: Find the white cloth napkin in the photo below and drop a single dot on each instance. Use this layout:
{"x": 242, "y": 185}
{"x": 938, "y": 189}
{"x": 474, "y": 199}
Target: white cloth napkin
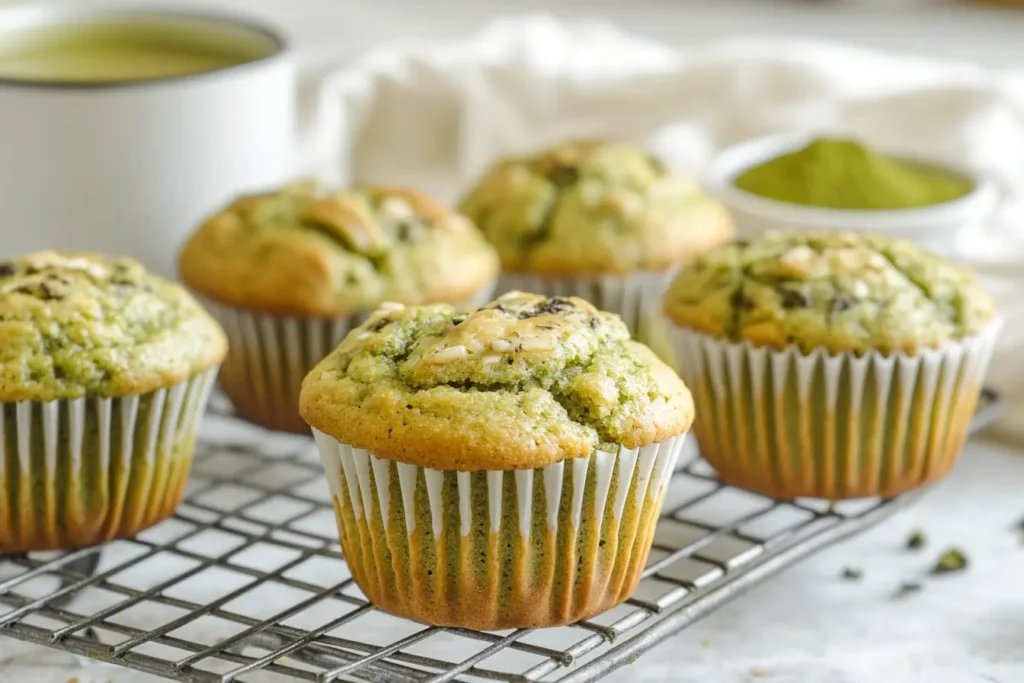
{"x": 436, "y": 117}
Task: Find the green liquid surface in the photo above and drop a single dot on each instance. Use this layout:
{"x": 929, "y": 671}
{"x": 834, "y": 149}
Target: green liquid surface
{"x": 125, "y": 51}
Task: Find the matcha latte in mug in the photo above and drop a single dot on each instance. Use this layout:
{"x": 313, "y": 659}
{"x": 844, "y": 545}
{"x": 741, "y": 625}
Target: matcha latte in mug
{"x": 123, "y": 127}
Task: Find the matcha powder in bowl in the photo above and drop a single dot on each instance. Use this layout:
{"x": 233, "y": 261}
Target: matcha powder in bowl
{"x": 794, "y": 182}
{"x": 844, "y": 174}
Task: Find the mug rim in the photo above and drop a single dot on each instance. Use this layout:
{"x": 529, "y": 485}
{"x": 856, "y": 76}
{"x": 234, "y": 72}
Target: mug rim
{"x": 41, "y": 14}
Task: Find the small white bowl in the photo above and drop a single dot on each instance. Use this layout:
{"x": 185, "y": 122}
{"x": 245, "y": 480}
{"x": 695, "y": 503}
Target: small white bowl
{"x": 936, "y": 226}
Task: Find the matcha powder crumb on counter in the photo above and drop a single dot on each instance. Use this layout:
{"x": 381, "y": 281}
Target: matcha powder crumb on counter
{"x": 852, "y": 574}
{"x": 953, "y": 560}
{"x": 844, "y": 174}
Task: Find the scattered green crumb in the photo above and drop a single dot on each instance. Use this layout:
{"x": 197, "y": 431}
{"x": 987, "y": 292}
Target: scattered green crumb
{"x": 908, "y": 587}
{"x": 916, "y": 540}
{"x": 953, "y": 560}
{"x": 852, "y": 573}
{"x": 632, "y": 660}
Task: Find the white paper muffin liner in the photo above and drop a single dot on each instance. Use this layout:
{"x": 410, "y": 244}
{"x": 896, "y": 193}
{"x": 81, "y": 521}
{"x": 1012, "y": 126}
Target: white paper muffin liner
{"x": 790, "y": 424}
{"x": 628, "y": 297}
{"x": 498, "y": 549}
{"x": 83, "y": 471}
{"x": 270, "y": 355}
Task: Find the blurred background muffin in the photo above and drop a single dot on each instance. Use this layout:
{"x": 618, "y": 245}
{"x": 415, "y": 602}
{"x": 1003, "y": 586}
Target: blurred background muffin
{"x": 600, "y": 220}
{"x": 832, "y": 365}
{"x": 541, "y": 430}
{"x": 105, "y": 371}
{"x": 290, "y": 272}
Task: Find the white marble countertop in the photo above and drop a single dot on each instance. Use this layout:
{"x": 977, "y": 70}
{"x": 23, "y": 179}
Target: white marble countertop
{"x": 806, "y": 625}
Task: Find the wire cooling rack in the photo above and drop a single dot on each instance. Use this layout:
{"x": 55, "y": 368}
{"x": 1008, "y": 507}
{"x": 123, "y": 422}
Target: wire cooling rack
{"x": 246, "y": 582}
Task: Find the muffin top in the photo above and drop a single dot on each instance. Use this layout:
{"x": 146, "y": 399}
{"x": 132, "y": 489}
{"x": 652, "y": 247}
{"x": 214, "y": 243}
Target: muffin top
{"x": 308, "y": 251}
{"x": 74, "y": 325}
{"x": 521, "y": 383}
{"x": 591, "y": 207}
{"x": 839, "y": 291}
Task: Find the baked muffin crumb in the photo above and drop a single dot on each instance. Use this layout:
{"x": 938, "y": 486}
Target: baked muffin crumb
{"x": 309, "y": 250}
{"x": 520, "y": 383}
{"x": 593, "y": 207}
{"x": 78, "y": 324}
{"x": 841, "y": 291}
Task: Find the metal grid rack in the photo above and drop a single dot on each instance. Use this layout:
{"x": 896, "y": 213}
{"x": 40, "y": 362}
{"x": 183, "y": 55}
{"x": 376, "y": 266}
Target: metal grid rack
{"x": 246, "y": 582}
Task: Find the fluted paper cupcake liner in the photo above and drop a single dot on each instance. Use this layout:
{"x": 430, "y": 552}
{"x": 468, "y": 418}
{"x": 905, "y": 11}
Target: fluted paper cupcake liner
{"x": 269, "y": 355}
{"x": 498, "y": 549}
{"x": 81, "y": 472}
{"x": 628, "y": 297}
{"x": 790, "y": 424}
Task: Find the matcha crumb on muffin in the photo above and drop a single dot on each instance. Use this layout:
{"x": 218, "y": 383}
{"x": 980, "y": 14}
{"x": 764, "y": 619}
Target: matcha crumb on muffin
{"x": 593, "y": 207}
{"x": 840, "y": 291}
{"x": 305, "y": 249}
{"x": 74, "y": 325}
{"x": 520, "y": 383}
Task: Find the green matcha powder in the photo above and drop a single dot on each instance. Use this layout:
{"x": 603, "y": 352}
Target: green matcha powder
{"x": 844, "y": 174}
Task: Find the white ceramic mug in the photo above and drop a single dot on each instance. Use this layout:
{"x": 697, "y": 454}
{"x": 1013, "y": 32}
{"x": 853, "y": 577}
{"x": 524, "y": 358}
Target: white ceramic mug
{"x": 131, "y": 167}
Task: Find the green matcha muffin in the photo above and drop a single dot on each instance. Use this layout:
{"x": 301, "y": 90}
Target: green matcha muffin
{"x": 603, "y": 221}
{"x": 497, "y": 467}
{"x": 831, "y": 365}
{"x": 105, "y": 371}
{"x": 288, "y": 273}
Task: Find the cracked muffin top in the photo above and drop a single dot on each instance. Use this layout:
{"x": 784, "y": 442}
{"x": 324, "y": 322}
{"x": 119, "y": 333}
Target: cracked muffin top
{"x": 839, "y": 291}
{"x": 592, "y": 207}
{"x": 310, "y": 251}
{"x": 74, "y": 325}
{"x": 520, "y": 383}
